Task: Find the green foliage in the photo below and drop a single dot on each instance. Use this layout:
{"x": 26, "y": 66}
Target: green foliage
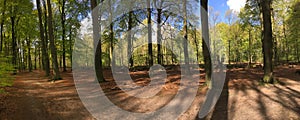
{"x": 6, "y": 69}
{"x": 229, "y": 36}
{"x": 294, "y": 30}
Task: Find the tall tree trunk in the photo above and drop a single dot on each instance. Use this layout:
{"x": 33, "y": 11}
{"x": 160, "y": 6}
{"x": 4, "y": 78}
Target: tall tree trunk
{"x": 286, "y": 42}
{"x": 35, "y": 57}
{"x": 229, "y": 51}
{"x": 2, "y": 25}
{"x": 60, "y": 61}
{"x": 185, "y": 30}
{"x": 20, "y": 56}
{"x": 71, "y": 44}
{"x": 40, "y": 61}
{"x": 52, "y": 43}
{"x": 197, "y": 45}
{"x": 14, "y": 43}
{"x": 45, "y": 56}
{"x": 267, "y": 41}
{"x": 97, "y": 42}
{"x": 46, "y": 35}
{"x": 296, "y": 46}
{"x": 297, "y": 49}
{"x": 6, "y": 44}
{"x": 111, "y": 31}
{"x": 276, "y": 57}
{"x": 1, "y": 35}
{"x": 29, "y": 62}
{"x": 150, "y": 50}
{"x": 173, "y": 56}
{"x": 206, "y": 43}
{"x": 159, "y": 36}
{"x": 250, "y": 49}
{"x": 275, "y": 42}
{"x": 129, "y": 41}
{"x": 63, "y": 20}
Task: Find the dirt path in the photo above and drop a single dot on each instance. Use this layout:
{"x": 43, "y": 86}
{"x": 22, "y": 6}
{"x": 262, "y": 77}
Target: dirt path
{"x": 28, "y": 106}
{"x": 33, "y": 98}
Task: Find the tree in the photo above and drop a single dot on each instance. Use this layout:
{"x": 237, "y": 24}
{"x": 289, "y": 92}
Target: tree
{"x": 2, "y": 25}
{"x": 150, "y": 51}
{"x": 185, "y": 30}
{"x": 45, "y": 56}
{"x": 196, "y": 44}
{"x": 46, "y": 35}
{"x": 28, "y": 42}
{"x": 206, "y": 42}
{"x": 63, "y": 20}
{"x": 293, "y": 31}
{"x": 267, "y": 41}
{"x": 13, "y": 35}
{"x": 214, "y": 18}
{"x": 52, "y": 44}
{"x": 158, "y": 6}
{"x": 129, "y": 38}
{"x": 250, "y": 19}
{"x": 111, "y": 33}
{"x": 229, "y": 16}
{"x": 97, "y": 41}
{"x": 162, "y": 13}
{"x": 247, "y": 25}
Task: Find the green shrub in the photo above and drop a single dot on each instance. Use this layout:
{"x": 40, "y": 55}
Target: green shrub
{"x": 6, "y": 69}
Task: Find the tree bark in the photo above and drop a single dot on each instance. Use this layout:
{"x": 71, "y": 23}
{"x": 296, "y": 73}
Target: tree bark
{"x": 1, "y": 35}
{"x": 63, "y": 20}
{"x": 35, "y": 58}
{"x": 267, "y": 41}
{"x": 52, "y": 43}
{"x": 29, "y": 62}
{"x": 150, "y": 50}
{"x": 275, "y": 41}
{"x": 40, "y": 61}
{"x": 197, "y": 45}
{"x": 159, "y": 36}
{"x": 297, "y": 50}
{"x": 111, "y": 29}
{"x": 14, "y": 43}
{"x": 298, "y": 54}
{"x": 45, "y": 57}
{"x": 97, "y": 42}
{"x": 206, "y": 42}
{"x": 129, "y": 40}
{"x": 2, "y": 25}
{"x": 46, "y": 31}
{"x": 229, "y": 51}
{"x": 71, "y": 44}
{"x": 185, "y": 30}
{"x": 6, "y": 44}
{"x": 250, "y": 49}
{"x": 286, "y": 42}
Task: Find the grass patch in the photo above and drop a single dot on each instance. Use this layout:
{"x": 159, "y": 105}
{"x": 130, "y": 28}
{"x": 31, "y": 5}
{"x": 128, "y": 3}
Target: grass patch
{"x": 6, "y": 70}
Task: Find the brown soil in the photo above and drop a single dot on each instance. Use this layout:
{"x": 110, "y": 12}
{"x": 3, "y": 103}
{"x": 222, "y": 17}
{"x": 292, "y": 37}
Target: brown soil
{"x": 243, "y": 97}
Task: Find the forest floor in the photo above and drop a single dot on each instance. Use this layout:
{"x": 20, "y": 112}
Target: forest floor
{"x": 32, "y": 97}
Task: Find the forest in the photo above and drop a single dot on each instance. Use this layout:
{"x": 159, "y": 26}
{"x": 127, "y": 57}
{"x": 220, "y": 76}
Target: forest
{"x": 124, "y": 59}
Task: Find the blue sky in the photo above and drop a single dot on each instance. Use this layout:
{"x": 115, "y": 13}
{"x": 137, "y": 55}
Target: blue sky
{"x": 223, "y": 5}
{"x": 219, "y": 5}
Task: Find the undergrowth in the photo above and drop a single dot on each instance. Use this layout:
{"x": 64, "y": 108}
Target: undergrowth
{"x": 6, "y": 70}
